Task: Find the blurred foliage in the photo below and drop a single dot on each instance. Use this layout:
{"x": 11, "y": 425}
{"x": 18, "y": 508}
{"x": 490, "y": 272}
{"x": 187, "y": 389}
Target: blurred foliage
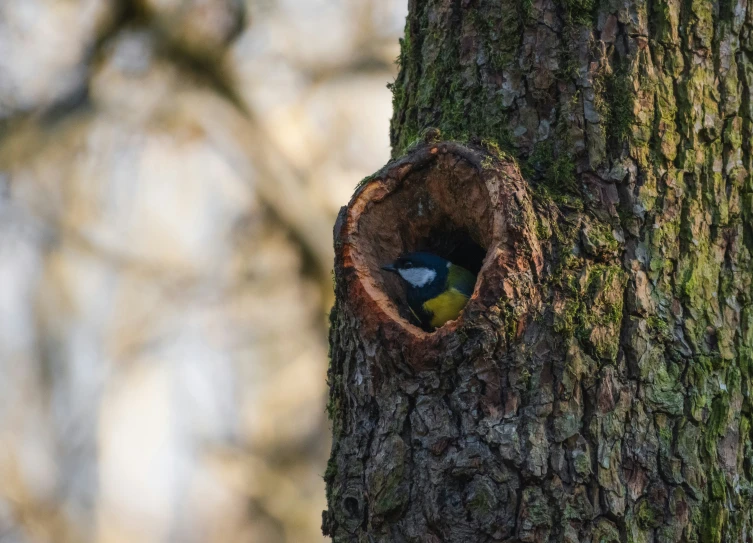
{"x": 169, "y": 174}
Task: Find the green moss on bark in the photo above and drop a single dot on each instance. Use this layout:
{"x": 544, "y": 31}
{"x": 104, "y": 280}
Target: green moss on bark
{"x": 632, "y": 125}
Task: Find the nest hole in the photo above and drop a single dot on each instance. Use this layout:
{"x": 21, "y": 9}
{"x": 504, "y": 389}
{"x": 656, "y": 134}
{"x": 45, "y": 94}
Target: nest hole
{"x": 457, "y": 246}
{"x": 443, "y": 209}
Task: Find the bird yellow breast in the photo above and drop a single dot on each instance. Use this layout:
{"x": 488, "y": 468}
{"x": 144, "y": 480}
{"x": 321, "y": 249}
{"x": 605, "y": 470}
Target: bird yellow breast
{"x": 445, "y": 307}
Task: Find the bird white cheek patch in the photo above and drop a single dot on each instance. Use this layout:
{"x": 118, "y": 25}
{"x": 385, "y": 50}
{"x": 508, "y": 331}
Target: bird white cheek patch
{"x": 418, "y": 277}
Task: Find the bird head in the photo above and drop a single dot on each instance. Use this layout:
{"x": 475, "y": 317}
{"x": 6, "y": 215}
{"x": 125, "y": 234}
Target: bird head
{"x": 420, "y": 270}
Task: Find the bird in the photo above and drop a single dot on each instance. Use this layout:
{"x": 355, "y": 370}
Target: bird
{"x": 437, "y": 290}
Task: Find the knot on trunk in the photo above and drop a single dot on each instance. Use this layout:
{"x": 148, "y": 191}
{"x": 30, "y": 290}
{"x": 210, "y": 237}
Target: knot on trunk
{"x": 465, "y": 203}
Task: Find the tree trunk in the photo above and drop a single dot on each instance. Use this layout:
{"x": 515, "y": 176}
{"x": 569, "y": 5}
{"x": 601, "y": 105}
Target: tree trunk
{"x": 591, "y": 159}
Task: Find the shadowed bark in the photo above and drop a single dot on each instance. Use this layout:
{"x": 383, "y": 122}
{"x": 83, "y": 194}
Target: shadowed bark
{"x": 594, "y": 158}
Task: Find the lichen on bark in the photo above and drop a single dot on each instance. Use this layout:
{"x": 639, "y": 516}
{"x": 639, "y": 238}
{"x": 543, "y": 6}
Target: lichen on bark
{"x": 618, "y": 408}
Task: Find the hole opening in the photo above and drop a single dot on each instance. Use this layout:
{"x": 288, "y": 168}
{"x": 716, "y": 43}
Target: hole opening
{"x": 456, "y": 245}
{"x": 442, "y": 209}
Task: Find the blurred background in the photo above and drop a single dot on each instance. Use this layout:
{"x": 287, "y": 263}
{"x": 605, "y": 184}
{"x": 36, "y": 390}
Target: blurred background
{"x": 170, "y": 171}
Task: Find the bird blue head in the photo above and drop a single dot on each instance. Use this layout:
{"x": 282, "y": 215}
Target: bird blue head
{"x": 420, "y": 270}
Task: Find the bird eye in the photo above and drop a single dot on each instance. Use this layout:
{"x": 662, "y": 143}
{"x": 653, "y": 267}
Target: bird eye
{"x": 408, "y": 265}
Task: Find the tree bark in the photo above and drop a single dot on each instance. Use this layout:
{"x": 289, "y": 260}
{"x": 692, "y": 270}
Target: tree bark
{"x": 597, "y": 387}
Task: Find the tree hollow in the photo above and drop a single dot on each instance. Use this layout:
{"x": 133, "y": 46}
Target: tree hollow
{"x": 459, "y": 202}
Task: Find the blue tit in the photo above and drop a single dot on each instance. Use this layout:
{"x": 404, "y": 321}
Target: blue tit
{"x": 437, "y": 289}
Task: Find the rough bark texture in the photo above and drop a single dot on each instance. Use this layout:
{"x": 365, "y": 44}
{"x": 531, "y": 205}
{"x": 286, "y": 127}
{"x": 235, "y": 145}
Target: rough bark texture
{"x": 598, "y": 386}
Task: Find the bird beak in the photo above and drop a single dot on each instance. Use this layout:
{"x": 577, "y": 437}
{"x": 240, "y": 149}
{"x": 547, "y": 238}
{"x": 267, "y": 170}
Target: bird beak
{"x": 390, "y": 268}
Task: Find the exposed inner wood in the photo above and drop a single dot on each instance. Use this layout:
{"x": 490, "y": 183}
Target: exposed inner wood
{"x": 442, "y": 207}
